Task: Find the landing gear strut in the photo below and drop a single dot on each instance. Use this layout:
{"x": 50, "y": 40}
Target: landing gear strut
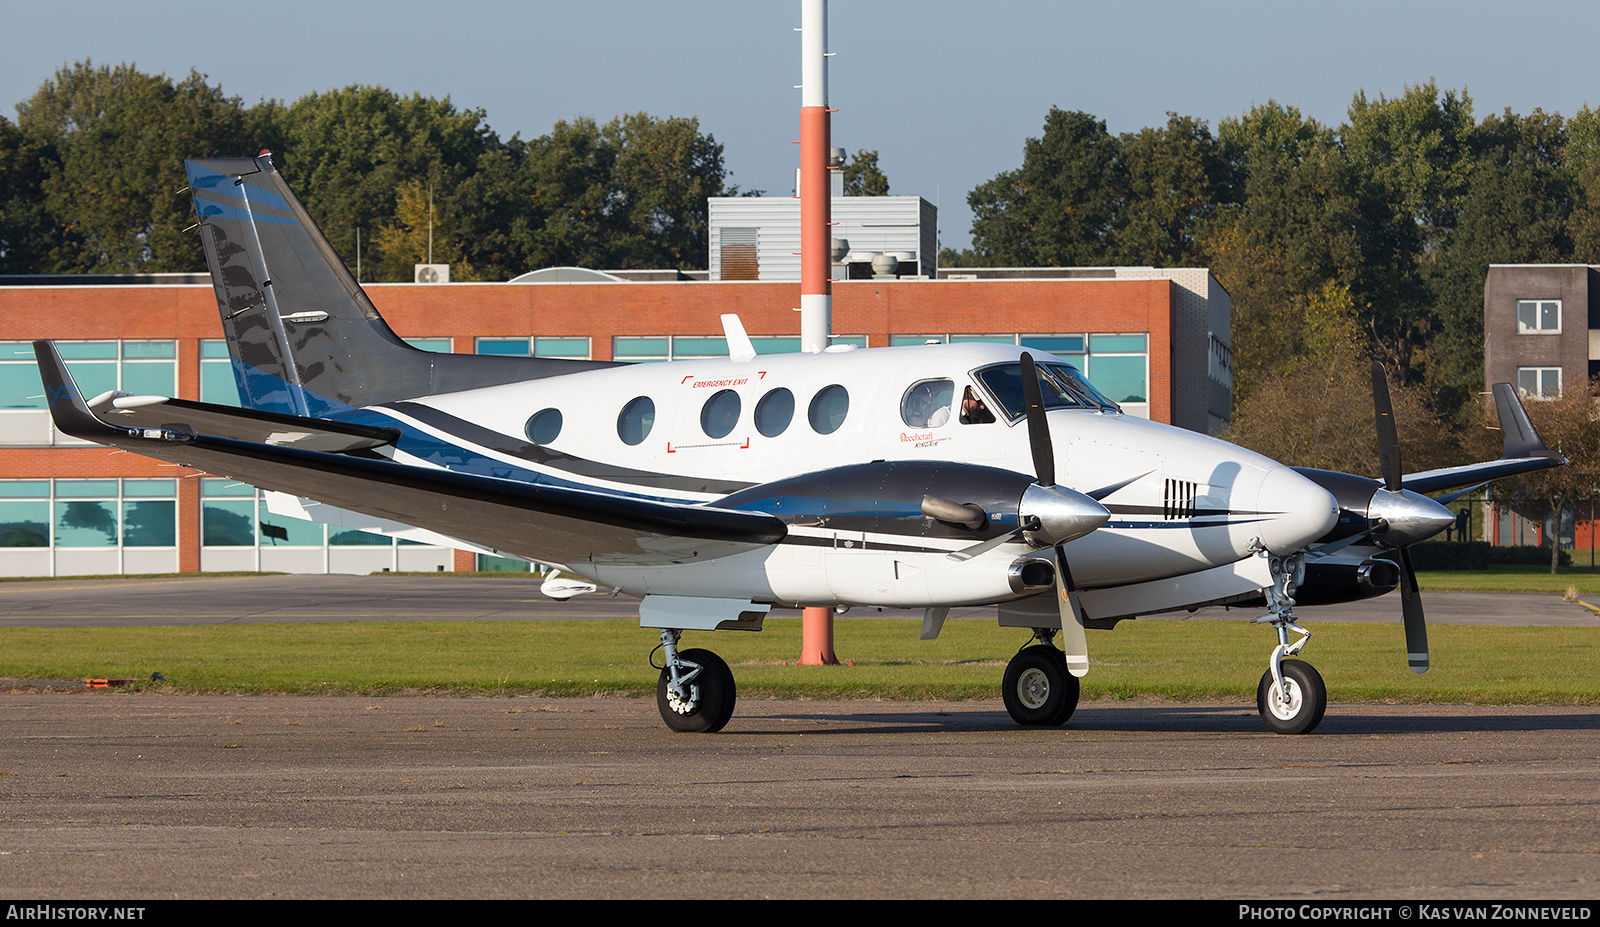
{"x": 695, "y": 693}
{"x": 1038, "y": 690}
{"x": 1292, "y": 696}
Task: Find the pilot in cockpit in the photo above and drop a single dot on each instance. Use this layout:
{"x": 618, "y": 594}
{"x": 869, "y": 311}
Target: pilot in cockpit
{"x": 973, "y": 411}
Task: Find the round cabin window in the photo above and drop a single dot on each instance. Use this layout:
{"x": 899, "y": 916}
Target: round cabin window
{"x": 720, "y": 414}
{"x": 543, "y": 426}
{"x": 828, "y": 409}
{"x": 774, "y": 412}
{"x": 636, "y": 420}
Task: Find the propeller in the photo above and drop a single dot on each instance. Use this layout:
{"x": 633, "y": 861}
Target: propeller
{"x": 1073, "y": 639}
{"x": 1389, "y": 461}
{"x": 1047, "y": 516}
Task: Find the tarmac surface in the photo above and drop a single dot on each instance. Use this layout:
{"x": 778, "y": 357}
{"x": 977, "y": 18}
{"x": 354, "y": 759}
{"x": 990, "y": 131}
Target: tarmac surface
{"x": 180, "y": 600}
{"x": 139, "y": 796}
{"x": 121, "y": 795}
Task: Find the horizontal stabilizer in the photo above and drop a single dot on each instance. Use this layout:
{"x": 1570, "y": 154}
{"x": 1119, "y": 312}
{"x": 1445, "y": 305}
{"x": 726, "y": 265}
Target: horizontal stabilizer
{"x": 1524, "y": 451}
{"x": 241, "y": 424}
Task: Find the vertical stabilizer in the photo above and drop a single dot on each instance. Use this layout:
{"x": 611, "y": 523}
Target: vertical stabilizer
{"x": 304, "y": 337}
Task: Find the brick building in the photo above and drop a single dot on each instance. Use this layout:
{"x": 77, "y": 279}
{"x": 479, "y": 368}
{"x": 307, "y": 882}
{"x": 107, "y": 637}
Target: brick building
{"x": 1157, "y": 341}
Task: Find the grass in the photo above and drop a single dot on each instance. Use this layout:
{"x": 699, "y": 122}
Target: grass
{"x": 1171, "y": 659}
{"x": 1518, "y": 578}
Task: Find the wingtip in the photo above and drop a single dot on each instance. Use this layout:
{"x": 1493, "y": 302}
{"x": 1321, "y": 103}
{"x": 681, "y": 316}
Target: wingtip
{"x": 68, "y": 409}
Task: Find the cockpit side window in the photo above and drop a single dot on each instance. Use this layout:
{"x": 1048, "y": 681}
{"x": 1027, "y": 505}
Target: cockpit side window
{"x": 973, "y": 409}
{"x": 927, "y": 403}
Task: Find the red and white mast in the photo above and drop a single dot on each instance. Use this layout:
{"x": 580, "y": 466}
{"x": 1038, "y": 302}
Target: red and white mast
{"x": 816, "y": 243}
{"x": 816, "y": 291}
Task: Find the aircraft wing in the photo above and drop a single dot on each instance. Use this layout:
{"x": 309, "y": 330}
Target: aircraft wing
{"x": 1525, "y": 451}
{"x": 531, "y": 520}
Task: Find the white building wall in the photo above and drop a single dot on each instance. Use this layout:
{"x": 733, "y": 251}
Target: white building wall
{"x": 869, "y": 223}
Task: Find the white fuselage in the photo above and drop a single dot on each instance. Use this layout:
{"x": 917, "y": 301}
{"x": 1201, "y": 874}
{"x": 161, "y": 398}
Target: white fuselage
{"x": 1190, "y": 502}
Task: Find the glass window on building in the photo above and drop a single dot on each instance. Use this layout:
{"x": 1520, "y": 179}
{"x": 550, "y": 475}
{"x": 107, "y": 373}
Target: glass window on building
{"x": 149, "y": 513}
{"x": 20, "y": 386}
{"x": 227, "y": 514}
{"x": 693, "y": 347}
{"x": 511, "y": 346}
{"x": 1539, "y": 382}
{"x": 24, "y": 513}
{"x": 436, "y": 345}
{"x": 282, "y": 531}
{"x": 636, "y": 350}
{"x": 575, "y": 348}
{"x": 217, "y": 383}
{"x": 86, "y": 513}
{"x": 1538, "y": 316}
{"x": 1118, "y": 366}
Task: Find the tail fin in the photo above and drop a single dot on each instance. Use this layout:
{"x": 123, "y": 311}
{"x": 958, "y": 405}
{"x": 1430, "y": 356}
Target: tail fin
{"x": 304, "y": 337}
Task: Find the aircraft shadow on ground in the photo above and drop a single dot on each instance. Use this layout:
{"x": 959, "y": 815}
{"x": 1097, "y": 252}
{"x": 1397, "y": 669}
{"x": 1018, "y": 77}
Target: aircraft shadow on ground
{"x": 1174, "y": 719}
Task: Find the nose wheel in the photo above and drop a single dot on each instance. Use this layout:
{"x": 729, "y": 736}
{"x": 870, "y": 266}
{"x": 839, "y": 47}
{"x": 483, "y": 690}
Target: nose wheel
{"x": 1296, "y": 704}
{"x": 1038, "y": 690}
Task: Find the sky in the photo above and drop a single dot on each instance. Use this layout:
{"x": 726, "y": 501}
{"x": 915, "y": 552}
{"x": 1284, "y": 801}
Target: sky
{"x": 946, "y": 92}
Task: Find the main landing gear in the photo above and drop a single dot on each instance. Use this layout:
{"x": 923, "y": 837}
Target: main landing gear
{"x": 1291, "y": 696}
{"x": 695, "y": 693}
{"x": 1038, "y": 690}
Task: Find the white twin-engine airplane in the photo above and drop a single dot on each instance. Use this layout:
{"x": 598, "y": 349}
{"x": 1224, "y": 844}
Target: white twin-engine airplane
{"x": 933, "y": 476}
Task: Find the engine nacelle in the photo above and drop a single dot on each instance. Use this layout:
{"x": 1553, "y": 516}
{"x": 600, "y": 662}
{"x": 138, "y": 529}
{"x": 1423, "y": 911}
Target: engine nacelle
{"x": 1343, "y": 581}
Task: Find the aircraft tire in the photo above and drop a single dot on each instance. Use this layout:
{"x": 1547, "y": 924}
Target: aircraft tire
{"x": 717, "y": 695}
{"x": 1037, "y": 689}
{"x": 1308, "y": 699}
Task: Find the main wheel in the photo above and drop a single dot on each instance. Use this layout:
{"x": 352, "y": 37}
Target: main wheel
{"x": 1308, "y": 699}
{"x": 711, "y": 696}
{"x": 1038, "y": 690}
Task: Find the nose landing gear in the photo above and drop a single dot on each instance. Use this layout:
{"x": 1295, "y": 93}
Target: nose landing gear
{"x": 1292, "y": 696}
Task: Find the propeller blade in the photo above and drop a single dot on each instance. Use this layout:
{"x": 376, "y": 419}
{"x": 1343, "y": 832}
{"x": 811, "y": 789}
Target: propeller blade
{"x": 1388, "y": 435}
{"x": 1073, "y": 639}
{"x": 1411, "y": 605}
{"x": 1044, "y": 455}
{"x": 983, "y": 547}
{"x": 1446, "y": 500}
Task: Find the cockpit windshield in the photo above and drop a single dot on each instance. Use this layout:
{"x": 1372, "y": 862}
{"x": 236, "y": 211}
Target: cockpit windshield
{"x": 1061, "y": 385}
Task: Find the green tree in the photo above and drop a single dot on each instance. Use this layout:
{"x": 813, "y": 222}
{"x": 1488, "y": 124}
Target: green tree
{"x": 26, "y": 232}
{"x": 1583, "y": 160}
{"x": 631, "y": 193}
{"x": 1517, "y": 207}
{"x": 863, "y": 177}
{"x": 1337, "y": 431}
{"x": 348, "y": 153}
{"x": 1411, "y": 157}
{"x": 665, "y": 171}
{"x": 1058, "y": 209}
{"x": 1175, "y": 181}
{"x": 1569, "y": 427}
{"x": 1288, "y": 235}
{"x": 112, "y": 143}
